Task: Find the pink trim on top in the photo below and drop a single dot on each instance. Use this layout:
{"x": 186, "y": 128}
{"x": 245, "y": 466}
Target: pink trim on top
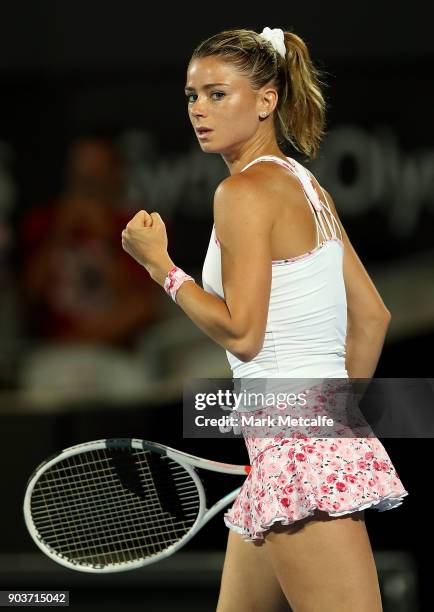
{"x": 307, "y": 254}
{"x": 296, "y": 257}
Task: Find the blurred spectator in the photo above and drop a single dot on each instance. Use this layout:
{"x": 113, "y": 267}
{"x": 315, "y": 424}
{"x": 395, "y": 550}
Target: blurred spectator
{"x": 78, "y": 283}
{"x": 10, "y": 317}
{"x": 87, "y": 304}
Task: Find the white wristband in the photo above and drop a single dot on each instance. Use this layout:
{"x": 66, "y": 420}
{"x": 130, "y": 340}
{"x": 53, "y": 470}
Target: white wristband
{"x": 174, "y": 279}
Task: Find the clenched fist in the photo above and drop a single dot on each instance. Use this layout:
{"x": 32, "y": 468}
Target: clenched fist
{"x": 145, "y": 239}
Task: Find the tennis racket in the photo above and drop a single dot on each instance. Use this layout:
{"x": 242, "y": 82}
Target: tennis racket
{"x": 119, "y": 504}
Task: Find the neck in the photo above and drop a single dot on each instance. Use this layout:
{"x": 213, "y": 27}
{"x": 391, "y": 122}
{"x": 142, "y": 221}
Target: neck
{"x": 236, "y": 161}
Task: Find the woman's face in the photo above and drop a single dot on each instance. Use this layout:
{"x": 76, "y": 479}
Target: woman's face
{"x": 221, "y": 99}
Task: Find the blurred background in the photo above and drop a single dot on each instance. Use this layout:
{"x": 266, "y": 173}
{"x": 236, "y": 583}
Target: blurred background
{"x": 94, "y": 127}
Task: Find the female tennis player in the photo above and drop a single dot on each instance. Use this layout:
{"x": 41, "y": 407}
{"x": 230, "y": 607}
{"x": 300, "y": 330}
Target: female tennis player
{"x": 286, "y": 295}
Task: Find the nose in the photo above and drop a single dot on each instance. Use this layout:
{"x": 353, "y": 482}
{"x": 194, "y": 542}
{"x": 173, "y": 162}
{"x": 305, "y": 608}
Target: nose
{"x": 197, "y": 109}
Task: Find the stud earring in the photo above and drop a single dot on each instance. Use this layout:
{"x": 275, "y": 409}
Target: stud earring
{"x": 263, "y": 114}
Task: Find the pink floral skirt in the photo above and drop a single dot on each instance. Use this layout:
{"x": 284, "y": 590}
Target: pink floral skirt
{"x": 292, "y": 475}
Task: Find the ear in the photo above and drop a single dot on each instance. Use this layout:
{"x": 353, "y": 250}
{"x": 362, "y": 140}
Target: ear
{"x": 267, "y": 100}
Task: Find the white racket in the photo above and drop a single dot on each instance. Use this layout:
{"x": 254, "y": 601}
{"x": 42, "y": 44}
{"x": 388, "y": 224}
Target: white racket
{"x": 119, "y": 504}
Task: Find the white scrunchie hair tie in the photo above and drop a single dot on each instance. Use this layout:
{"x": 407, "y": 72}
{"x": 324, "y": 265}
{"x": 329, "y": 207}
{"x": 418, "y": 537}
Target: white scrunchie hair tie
{"x": 277, "y": 38}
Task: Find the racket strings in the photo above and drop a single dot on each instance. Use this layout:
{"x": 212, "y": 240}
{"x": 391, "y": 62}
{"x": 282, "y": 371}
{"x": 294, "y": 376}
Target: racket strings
{"x": 57, "y": 538}
{"x": 77, "y": 508}
{"x": 112, "y": 506}
{"x": 115, "y": 513}
{"x": 98, "y": 489}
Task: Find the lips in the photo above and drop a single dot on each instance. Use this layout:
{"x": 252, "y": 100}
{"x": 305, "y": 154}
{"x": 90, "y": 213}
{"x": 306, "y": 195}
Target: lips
{"x": 203, "y": 130}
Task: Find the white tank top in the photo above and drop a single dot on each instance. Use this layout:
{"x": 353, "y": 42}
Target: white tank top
{"x": 307, "y": 316}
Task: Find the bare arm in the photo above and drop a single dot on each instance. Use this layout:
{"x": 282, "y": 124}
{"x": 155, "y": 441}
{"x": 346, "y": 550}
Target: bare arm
{"x": 243, "y": 226}
{"x": 367, "y": 316}
{"x": 364, "y": 346}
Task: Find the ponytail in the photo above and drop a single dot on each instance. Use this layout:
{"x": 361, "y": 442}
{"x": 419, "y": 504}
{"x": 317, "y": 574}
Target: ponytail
{"x": 300, "y": 112}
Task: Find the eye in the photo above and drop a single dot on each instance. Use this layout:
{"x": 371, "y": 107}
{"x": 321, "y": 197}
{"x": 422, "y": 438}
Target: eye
{"x": 220, "y": 94}
{"x": 189, "y": 96}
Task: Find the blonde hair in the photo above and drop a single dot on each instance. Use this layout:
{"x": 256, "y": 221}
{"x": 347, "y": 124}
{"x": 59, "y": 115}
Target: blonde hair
{"x": 299, "y": 117}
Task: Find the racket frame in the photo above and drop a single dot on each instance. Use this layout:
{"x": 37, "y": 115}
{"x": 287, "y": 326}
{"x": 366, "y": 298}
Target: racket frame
{"x": 187, "y": 461}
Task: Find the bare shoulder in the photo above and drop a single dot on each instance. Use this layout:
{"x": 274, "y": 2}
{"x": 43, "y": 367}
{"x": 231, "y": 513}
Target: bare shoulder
{"x": 240, "y": 190}
{"x": 242, "y": 201}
